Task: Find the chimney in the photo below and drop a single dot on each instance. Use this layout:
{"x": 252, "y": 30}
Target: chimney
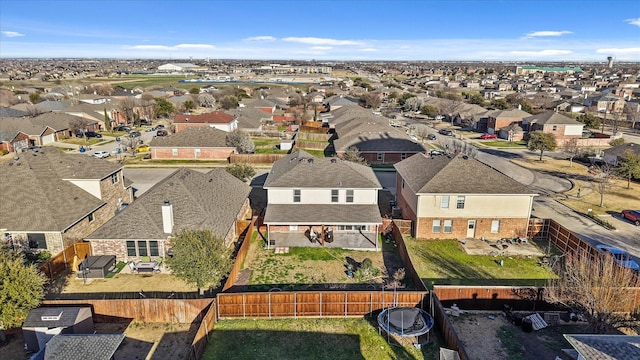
{"x": 167, "y": 217}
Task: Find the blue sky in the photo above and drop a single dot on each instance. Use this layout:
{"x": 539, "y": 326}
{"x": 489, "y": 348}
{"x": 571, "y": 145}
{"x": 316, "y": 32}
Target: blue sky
{"x": 520, "y": 30}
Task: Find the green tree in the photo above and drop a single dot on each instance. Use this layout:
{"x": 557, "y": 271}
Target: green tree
{"x": 500, "y": 104}
{"x": 477, "y": 99}
{"x": 429, "y": 110}
{"x": 353, "y": 154}
{"x": 589, "y": 120}
{"x": 107, "y": 121}
{"x": 629, "y": 166}
{"x": 199, "y": 258}
{"x": 526, "y": 106}
{"x": 539, "y": 141}
{"x": 243, "y": 172}
{"x": 616, "y": 142}
{"x": 164, "y": 107}
{"x": 194, "y": 90}
{"x": 189, "y": 105}
{"x": 241, "y": 141}
{"x": 404, "y": 97}
{"x": 21, "y": 289}
{"x": 229, "y": 102}
{"x": 34, "y": 98}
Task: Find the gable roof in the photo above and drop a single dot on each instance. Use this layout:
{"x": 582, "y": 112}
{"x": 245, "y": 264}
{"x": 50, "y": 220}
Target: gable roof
{"x": 301, "y": 170}
{"x": 9, "y": 112}
{"x": 83, "y": 346}
{"x": 200, "y": 201}
{"x": 68, "y": 316}
{"x": 551, "y": 118}
{"x": 620, "y": 150}
{"x": 214, "y": 117}
{"x": 37, "y": 125}
{"x": 196, "y": 136}
{"x": 458, "y": 174}
{"x": 39, "y": 183}
{"x": 8, "y": 135}
{"x": 514, "y": 113}
{"x": 250, "y": 118}
{"x": 605, "y": 347}
{"x": 257, "y": 103}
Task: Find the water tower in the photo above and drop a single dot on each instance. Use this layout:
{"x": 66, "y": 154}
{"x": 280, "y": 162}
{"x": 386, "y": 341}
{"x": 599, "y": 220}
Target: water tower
{"x": 610, "y": 62}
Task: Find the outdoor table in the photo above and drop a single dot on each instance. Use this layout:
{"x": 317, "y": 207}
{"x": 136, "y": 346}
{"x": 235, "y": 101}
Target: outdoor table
{"x": 146, "y": 266}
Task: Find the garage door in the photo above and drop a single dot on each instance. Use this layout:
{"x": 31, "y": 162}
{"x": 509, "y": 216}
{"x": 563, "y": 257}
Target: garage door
{"x": 48, "y": 139}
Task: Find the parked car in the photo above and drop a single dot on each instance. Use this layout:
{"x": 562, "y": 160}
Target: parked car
{"x": 101, "y": 154}
{"x": 620, "y": 256}
{"x": 94, "y": 134}
{"x": 135, "y": 134}
{"x": 446, "y": 132}
{"x": 145, "y": 123}
{"x": 487, "y": 136}
{"x": 142, "y": 148}
{"x": 162, "y": 133}
{"x": 632, "y": 215}
{"x": 122, "y": 128}
{"x": 151, "y": 129}
{"x": 431, "y": 136}
{"x": 160, "y": 126}
{"x": 434, "y": 152}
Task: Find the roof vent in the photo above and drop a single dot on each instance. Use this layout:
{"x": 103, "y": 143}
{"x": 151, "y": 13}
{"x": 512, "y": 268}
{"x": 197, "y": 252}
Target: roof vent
{"x": 52, "y": 315}
{"x": 465, "y": 157}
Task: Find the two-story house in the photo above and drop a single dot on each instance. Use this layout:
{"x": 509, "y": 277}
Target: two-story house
{"x": 322, "y": 202}
{"x": 449, "y": 197}
{"x": 562, "y": 127}
{"x": 51, "y": 199}
{"x": 498, "y": 119}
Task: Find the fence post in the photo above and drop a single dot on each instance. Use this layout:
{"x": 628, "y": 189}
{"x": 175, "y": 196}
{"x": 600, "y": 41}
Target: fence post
{"x": 206, "y": 328}
{"x": 244, "y": 311}
{"x": 320, "y": 304}
{"x": 295, "y": 305}
{"x": 269, "y": 307}
{"x": 371, "y": 302}
{"x": 345, "y": 304}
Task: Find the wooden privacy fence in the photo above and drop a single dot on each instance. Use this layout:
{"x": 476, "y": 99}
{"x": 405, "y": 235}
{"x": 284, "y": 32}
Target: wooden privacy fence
{"x": 538, "y": 228}
{"x": 313, "y": 303}
{"x": 448, "y": 332}
{"x": 318, "y": 129}
{"x": 242, "y": 253}
{"x": 301, "y": 144}
{"x": 406, "y": 259}
{"x": 64, "y": 260}
{"x": 201, "y": 339}
{"x": 146, "y": 310}
{"x": 255, "y": 158}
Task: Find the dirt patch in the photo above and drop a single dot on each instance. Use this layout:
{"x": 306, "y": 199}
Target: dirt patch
{"x": 487, "y": 247}
{"x": 71, "y": 284}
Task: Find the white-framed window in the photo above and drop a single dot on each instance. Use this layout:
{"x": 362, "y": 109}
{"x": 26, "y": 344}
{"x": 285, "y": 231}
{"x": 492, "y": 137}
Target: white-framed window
{"x": 444, "y": 202}
{"x": 379, "y": 157}
{"x": 555, "y": 127}
{"x": 435, "y": 228}
{"x": 196, "y": 152}
{"x": 142, "y": 248}
{"x": 353, "y": 227}
{"x": 460, "y": 202}
{"x": 403, "y": 156}
{"x": 296, "y": 195}
{"x": 114, "y": 178}
{"x": 335, "y": 195}
{"x": 349, "y": 196}
{"x": 174, "y": 152}
{"x": 495, "y": 226}
{"x": 293, "y": 227}
{"x": 448, "y": 226}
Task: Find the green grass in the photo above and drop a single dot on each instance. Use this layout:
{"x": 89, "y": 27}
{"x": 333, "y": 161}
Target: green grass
{"x": 317, "y": 339}
{"x": 270, "y": 151}
{"x": 505, "y": 143}
{"x": 316, "y": 153}
{"x": 305, "y": 253}
{"x": 119, "y": 266}
{"x": 262, "y": 142}
{"x": 444, "y": 262}
{"x": 132, "y": 81}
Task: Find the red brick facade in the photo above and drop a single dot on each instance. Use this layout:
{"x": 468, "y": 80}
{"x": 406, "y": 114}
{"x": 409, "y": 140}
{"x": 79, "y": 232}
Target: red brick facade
{"x": 508, "y": 228}
{"x": 190, "y": 153}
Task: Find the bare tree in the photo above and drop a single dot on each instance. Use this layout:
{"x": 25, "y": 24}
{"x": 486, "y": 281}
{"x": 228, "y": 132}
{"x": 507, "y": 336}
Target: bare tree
{"x": 603, "y": 180}
{"x": 241, "y": 141}
{"x": 127, "y": 105}
{"x": 353, "y": 154}
{"x": 78, "y": 124}
{"x": 33, "y": 111}
{"x": 448, "y": 107}
{"x": 572, "y": 149}
{"x": 373, "y": 99}
{"x": 597, "y": 286}
{"x": 206, "y": 100}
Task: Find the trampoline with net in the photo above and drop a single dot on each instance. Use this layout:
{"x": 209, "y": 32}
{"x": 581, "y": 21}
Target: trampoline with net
{"x": 405, "y": 321}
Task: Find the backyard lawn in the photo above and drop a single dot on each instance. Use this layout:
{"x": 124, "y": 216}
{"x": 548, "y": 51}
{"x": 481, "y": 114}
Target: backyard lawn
{"x": 444, "y": 262}
{"x": 305, "y": 268}
{"x": 332, "y": 339}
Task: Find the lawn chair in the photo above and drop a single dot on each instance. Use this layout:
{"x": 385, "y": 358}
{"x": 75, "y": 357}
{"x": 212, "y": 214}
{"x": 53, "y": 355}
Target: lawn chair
{"x": 157, "y": 268}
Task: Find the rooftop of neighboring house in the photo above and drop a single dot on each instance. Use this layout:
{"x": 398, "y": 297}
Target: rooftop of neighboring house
{"x": 37, "y": 125}
{"x": 59, "y": 317}
{"x": 250, "y": 118}
{"x": 38, "y": 182}
{"x": 620, "y": 150}
{"x": 257, "y": 103}
{"x": 595, "y": 346}
{"x": 214, "y": 117}
{"x": 373, "y": 134}
{"x": 83, "y": 346}
{"x": 551, "y": 118}
{"x": 209, "y": 200}
{"x": 6, "y": 112}
{"x": 197, "y": 136}
{"x": 513, "y": 113}
{"x": 302, "y": 170}
{"x": 456, "y": 174}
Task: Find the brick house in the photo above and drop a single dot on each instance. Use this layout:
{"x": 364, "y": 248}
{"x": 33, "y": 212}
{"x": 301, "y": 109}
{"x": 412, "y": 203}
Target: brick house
{"x": 13, "y": 140}
{"x": 564, "y": 128}
{"x": 186, "y": 199}
{"x": 498, "y": 119}
{"x": 460, "y": 197}
{"x": 216, "y": 119}
{"x": 52, "y": 199}
{"x": 198, "y": 143}
{"x": 46, "y": 128}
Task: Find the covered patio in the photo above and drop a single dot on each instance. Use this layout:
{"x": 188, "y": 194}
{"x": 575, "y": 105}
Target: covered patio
{"x": 346, "y": 240}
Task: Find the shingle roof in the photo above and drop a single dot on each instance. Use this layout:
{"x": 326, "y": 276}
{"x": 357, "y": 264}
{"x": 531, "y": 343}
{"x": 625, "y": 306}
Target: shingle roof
{"x": 620, "y": 150}
{"x": 250, "y": 118}
{"x": 37, "y": 125}
{"x": 8, "y": 135}
{"x": 196, "y": 136}
{"x": 372, "y": 135}
{"x": 68, "y": 316}
{"x": 606, "y": 347}
{"x": 38, "y": 184}
{"x": 301, "y": 170}
{"x": 9, "y": 112}
{"x": 210, "y": 201}
{"x": 510, "y": 114}
{"x": 83, "y": 346}
{"x": 52, "y": 105}
{"x": 459, "y": 174}
{"x": 214, "y": 117}
{"x": 551, "y": 118}
{"x": 311, "y": 214}
{"x": 258, "y": 103}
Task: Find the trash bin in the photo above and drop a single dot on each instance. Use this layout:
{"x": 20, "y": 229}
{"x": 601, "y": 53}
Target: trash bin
{"x": 527, "y": 325}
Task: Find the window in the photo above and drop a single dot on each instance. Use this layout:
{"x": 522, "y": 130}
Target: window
{"x": 114, "y": 178}
{"x": 296, "y": 195}
{"x": 196, "y": 152}
{"x": 37, "y": 241}
{"x": 495, "y": 226}
{"x": 142, "y": 248}
{"x": 460, "y": 202}
{"x": 131, "y": 248}
{"x": 334, "y": 196}
{"x": 379, "y": 157}
{"x": 448, "y": 226}
{"x": 174, "y": 152}
{"x": 555, "y": 127}
{"x": 90, "y": 217}
{"x": 153, "y": 248}
{"x": 444, "y": 202}
{"x": 436, "y": 226}
{"x": 349, "y": 196}
{"x": 403, "y": 156}
{"x": 403, "y": 183}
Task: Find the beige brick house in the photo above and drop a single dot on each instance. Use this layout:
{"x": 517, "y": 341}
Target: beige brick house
{"x": 458, "y": 197}
{"x": 51, "y": 199}
{"x": 198, "y": 143}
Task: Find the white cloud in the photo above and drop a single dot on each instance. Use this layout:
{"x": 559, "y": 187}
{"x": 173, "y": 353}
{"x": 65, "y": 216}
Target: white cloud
{"x": 542, "y": 52}
{"x": 11, "y": 34}
{"x": 260, "y": 38}
{"x": 194, "y": 46}
{"x": 321, "y": 48}
{"x": 619, "y": 51}
{"x": 321, "y": 41}
{"x": 368, "y": 49}
{"x": 547, "y": 33}
{"x": 171, "y": 48}
{"x": 635, "y": 22}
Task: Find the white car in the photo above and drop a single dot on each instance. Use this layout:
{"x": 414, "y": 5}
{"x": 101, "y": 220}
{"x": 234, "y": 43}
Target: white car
{"x": 101, "y": 154}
